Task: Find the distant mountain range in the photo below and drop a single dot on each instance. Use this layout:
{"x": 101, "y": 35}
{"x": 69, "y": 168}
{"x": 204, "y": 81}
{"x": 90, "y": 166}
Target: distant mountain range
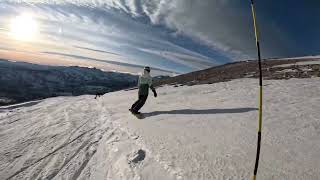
{"x": 20, "y": 82}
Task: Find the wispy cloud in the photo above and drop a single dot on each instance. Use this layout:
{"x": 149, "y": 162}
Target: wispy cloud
{"x": 180, "y": 35}
{"x": 194, "y": 62}
{"x": 78, "y": 57}
{"x": 97, "y": 50}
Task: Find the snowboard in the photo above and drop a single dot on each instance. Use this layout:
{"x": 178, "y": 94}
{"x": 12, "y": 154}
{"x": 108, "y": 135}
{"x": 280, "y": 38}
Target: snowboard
{"x": 139, "y": 116}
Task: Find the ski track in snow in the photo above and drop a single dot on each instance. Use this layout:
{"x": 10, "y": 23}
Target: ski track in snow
{"x": 198, "y": 132}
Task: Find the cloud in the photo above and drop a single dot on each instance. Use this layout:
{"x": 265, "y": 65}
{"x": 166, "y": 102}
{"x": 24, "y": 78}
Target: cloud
{"x": 97, "y": 50}
{"x": 203, "y": 21}
{"x": 186, "y": 59}
{"x": 79, "y": 57}
{"x": 224, "y": 25}
{"x": 180, "y": 35}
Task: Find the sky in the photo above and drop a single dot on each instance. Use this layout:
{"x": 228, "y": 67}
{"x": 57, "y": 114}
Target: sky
{"x": 171, "y": 36}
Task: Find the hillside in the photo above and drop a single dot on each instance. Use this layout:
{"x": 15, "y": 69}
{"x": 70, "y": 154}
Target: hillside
{"x": 22, "y": 82}
{"x": 206, "y": 131}
{"x": 300, "y": 67}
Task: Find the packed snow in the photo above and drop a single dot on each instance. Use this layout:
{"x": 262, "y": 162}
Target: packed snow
{"x": 189, "y": 132}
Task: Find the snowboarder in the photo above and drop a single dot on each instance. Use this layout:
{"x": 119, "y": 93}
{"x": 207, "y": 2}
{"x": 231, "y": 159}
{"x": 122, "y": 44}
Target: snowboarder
{"x": 144, "y": 83}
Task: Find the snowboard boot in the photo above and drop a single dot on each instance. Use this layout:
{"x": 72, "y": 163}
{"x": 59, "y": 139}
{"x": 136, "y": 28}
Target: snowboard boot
{"x": 134, "y": 112}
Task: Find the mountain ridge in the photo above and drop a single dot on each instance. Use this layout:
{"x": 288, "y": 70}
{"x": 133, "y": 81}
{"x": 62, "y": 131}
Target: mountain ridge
{"x": 281, "y": 68}
{"x": 22, "y": 81}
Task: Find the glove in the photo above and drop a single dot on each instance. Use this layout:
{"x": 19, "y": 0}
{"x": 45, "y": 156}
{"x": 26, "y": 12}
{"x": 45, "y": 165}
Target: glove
{"x": 155, "y": 93}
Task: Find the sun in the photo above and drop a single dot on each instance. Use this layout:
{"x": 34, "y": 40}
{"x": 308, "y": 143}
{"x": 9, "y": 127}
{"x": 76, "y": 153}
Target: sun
{"x": 24, "y": 27}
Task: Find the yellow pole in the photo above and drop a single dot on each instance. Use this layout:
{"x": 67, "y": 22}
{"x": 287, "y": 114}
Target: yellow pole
{"x": 260, "y": 90}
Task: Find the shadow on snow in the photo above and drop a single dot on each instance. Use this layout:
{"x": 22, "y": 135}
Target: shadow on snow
{"x": 200, "y": 111}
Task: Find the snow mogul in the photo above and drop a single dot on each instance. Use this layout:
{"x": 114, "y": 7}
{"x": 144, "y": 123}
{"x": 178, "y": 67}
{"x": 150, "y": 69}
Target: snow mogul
{"x": 144, "y": 83}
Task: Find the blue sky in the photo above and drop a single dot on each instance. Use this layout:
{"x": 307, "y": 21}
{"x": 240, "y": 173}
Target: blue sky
{"x": 169, "y": 35}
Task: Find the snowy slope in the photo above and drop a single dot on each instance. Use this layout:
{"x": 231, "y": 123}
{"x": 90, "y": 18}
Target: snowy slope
{"x": 197, "y": 132}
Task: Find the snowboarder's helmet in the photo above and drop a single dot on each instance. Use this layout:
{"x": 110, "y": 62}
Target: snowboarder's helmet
{"x": 147, "y": 68}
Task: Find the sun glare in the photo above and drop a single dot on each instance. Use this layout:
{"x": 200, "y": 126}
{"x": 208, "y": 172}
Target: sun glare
{"x": 23, "y": 27}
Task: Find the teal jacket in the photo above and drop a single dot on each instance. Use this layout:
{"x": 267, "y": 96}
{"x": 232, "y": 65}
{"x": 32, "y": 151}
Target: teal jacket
{"x": 144, "y": 83}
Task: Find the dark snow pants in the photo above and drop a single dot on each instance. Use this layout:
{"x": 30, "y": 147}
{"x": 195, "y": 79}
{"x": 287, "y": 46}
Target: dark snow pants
{"x": 139, "y": 103}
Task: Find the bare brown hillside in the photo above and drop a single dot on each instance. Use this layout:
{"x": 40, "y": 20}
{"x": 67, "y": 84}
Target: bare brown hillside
{"x": 272, "y": 69}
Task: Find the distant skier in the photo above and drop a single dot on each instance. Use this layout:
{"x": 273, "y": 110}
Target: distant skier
{"x": 144, "y": 83}
{"x": 99, "y": 94}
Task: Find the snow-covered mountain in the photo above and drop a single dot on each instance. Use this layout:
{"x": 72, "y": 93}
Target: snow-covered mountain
{"x": 189, "y": 132}
{"x": 24, "y": 82}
